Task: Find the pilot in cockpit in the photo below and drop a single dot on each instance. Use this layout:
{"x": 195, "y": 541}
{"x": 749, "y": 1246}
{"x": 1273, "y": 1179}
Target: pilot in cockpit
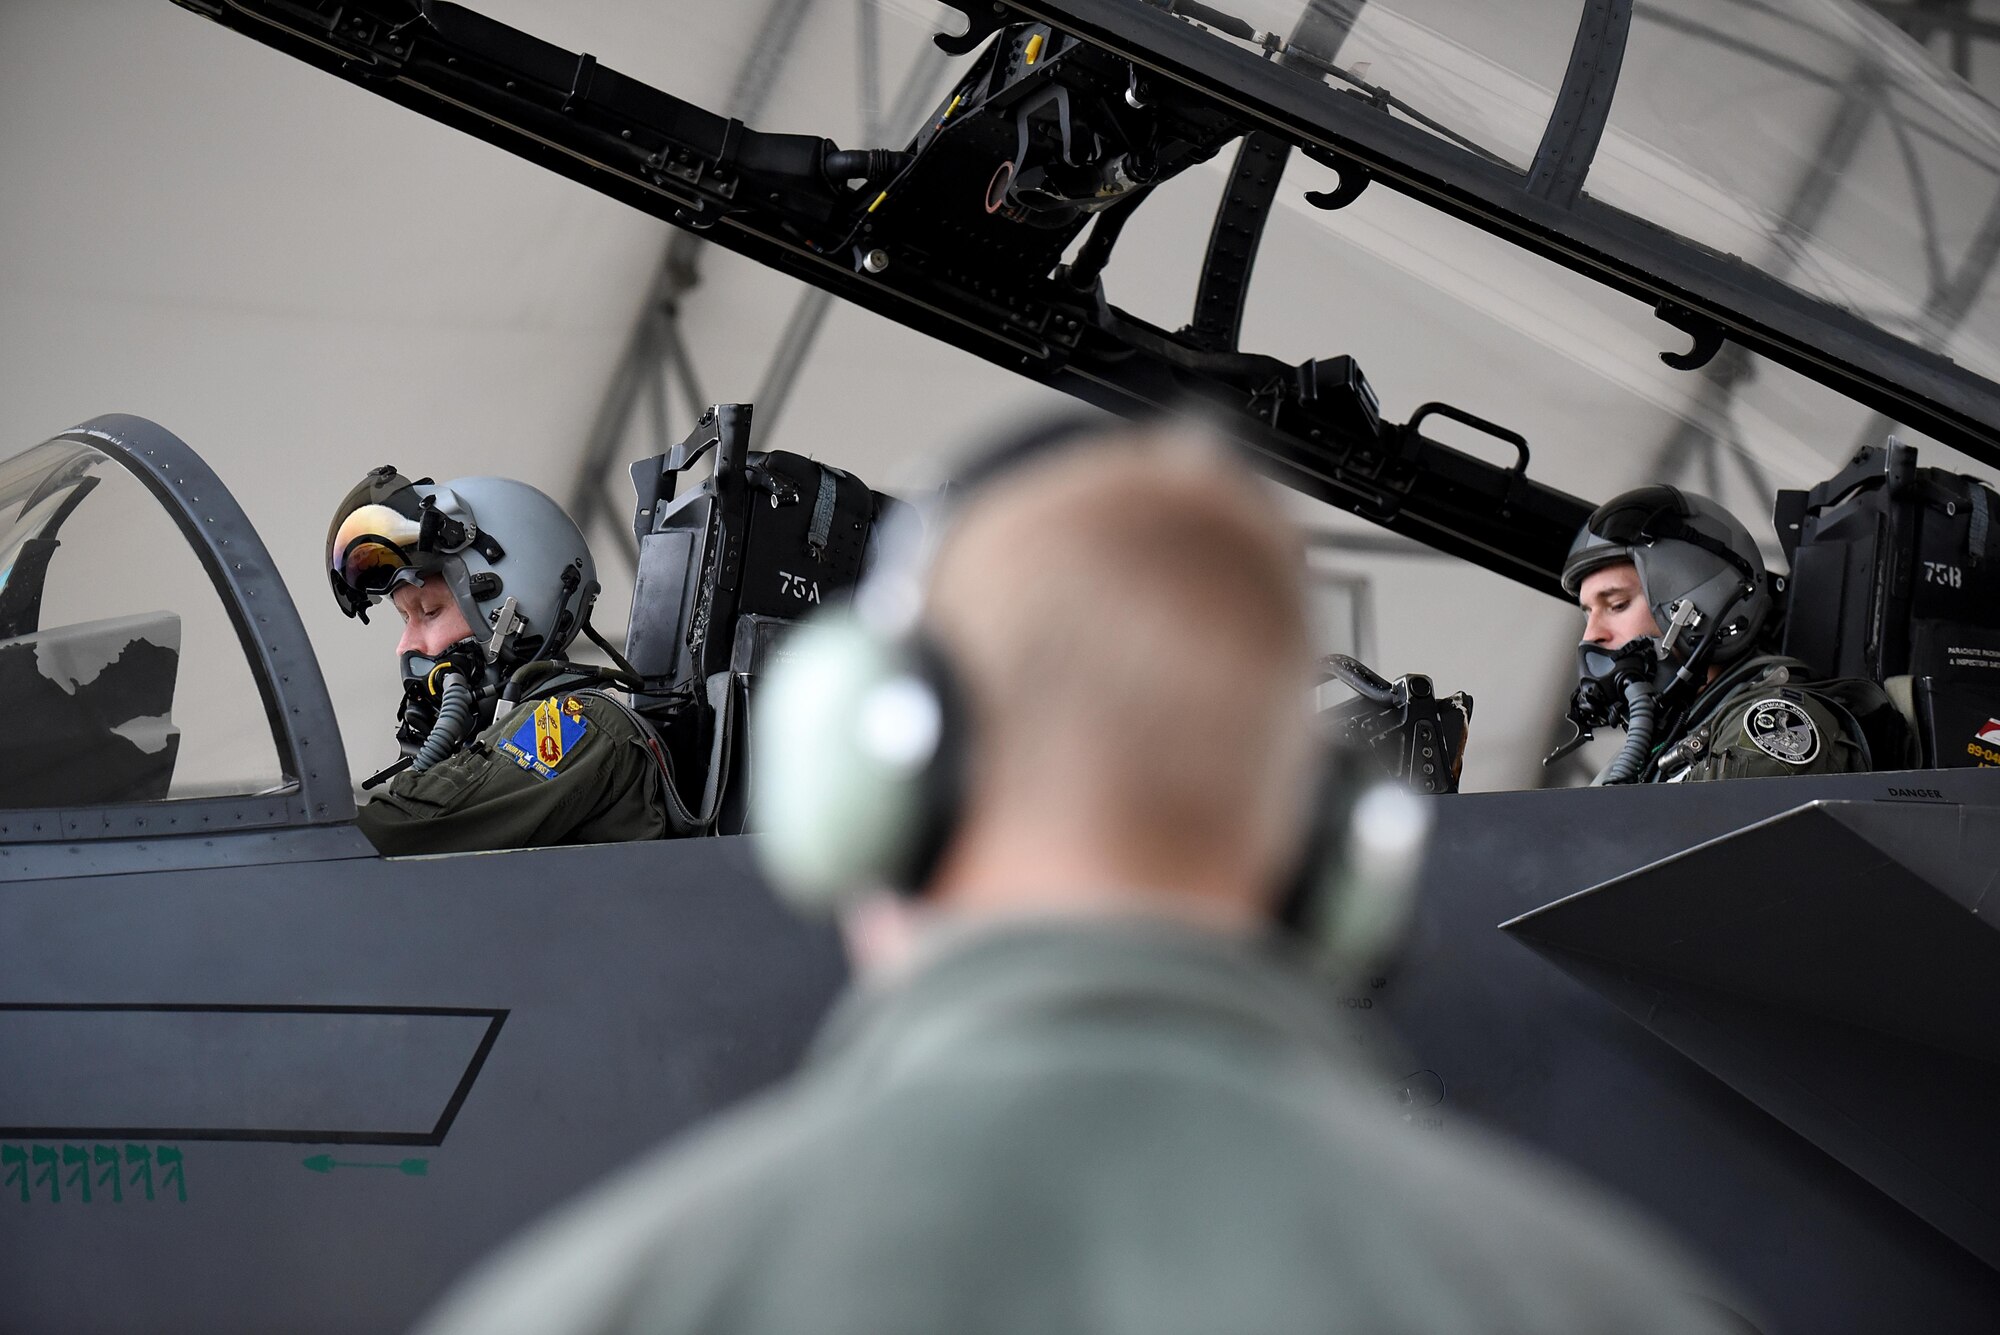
{"x": 1675, "y": 651}
{"x": 506, "y": 744}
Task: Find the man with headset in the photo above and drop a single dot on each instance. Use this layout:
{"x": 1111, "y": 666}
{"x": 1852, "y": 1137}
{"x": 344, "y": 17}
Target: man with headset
{"x": 1677, "y": 604}
{"x": 1081, "y": 1086}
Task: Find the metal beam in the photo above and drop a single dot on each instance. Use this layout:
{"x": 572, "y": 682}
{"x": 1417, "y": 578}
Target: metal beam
{"x": 1922, "y": 20}
{"x": 1949, "y": 302}
{"x": 639, "y": 365}
{"x": 809, "y": 312}
{"x": 654, "y": 343}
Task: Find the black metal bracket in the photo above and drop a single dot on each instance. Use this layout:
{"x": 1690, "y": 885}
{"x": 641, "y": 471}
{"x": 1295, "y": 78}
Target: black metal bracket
{"x": 1354, "y": 178}
{"x": 1415, "y": 442}
{"x": 1708, "y": 336}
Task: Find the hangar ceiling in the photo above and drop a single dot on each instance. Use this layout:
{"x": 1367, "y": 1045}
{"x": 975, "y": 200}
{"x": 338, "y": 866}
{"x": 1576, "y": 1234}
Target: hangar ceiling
{"x": 304, "y": 281}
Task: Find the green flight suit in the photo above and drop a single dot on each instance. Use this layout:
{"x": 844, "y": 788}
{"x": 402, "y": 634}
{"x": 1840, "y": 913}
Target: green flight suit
{"x": 568, "y": 769}
{"x": 1086, "y": 1128}
{"x": 1771, "y": 716}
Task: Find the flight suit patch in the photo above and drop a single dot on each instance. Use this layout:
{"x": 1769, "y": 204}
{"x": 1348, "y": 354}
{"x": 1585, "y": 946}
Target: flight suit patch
{"x": 545, "y": 736}
{"x": 1782, "y": 730}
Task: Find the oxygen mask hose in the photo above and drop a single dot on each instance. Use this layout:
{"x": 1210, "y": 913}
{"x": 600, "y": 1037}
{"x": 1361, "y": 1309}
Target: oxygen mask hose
{"x": 1641, "y": 714}
{"x": 453, "y": 725}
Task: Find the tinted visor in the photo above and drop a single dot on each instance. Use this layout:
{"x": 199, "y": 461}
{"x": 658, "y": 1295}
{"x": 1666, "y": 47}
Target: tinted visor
{"x": 1643, "y": 515}
{"x": 1660, "y": 513}
{"x": 376, "y": 531}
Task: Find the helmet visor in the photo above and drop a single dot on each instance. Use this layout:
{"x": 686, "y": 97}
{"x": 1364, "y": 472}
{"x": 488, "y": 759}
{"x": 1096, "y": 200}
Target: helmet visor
{"x": 1660, "y": 513}
{"x": 377, "y": 531}
{"x": 1641, "y": 515}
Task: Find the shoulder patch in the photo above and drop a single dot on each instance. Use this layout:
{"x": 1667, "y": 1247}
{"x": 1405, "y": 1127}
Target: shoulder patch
{"x": 546, "y": 735}
{"x": 1781, "y": 730}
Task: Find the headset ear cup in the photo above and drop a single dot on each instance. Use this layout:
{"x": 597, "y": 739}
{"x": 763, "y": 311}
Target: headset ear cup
{"x": 853, "y": 745}
{"x": 1301, "y": 897}
{"x": 1352, "y": 895}
{"x": 943, "y": 785}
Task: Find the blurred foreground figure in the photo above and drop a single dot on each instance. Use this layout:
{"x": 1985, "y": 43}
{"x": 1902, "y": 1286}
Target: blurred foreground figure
{"x": 1082, "y": 1086}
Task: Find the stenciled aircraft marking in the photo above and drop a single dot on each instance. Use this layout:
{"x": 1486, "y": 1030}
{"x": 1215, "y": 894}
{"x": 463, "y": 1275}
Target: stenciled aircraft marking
{"x": 326, "y": 1163}
{"x": 30, "y": 1173}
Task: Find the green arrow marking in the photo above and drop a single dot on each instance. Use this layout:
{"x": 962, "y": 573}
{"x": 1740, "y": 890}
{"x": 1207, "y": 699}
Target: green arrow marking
{"x": 326, "y": 1163}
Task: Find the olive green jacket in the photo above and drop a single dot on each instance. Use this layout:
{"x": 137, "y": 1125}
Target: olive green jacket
{"x": 1772, "y": 716}
{"x": 1115, "y": 1128}
{"x": 568, "y": 769}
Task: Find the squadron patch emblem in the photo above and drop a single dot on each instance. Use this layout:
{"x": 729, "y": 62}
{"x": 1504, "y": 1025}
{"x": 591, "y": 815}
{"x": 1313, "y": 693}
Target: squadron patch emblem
{"x": 545, "y": 737}
{"x": 1782, "y": 730}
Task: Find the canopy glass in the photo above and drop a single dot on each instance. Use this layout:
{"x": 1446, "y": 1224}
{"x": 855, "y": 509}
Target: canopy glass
{"x": 1809, "y": 138}
{"x": 128, "y": 680}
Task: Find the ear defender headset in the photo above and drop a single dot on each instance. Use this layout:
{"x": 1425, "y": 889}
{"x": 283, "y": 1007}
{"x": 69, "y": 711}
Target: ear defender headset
{"x": 863, "y": 737}
{"x": 861, "y": 740}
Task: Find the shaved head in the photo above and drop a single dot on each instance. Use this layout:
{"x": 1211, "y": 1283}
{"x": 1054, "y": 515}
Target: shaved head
{"x": 1129, "y": 618}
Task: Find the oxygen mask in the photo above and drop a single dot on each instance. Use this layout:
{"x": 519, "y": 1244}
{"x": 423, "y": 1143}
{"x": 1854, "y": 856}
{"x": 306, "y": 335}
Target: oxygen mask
{"x": 1609, "y": 684}
{"x": 1624, "y": 688}
{"x": 1602, "y": 676}
{"x": 425, "y": 681}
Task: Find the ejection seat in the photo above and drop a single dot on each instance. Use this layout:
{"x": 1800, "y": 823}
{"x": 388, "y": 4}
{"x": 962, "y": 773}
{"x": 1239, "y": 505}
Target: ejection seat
{"x": 724, "y": 570}
{"x": 1896, "y": 577}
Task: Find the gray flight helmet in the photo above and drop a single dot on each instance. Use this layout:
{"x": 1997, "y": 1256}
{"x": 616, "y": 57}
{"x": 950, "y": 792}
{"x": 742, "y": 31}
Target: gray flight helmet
{"x": 544, "y": 568}
{"x": 516, "y": 564}
{"x": 1693, "y": 558}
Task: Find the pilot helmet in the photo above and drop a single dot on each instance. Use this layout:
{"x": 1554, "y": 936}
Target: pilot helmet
{"x": 516, "y": 564}
{"x": 1697, "y": 564}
